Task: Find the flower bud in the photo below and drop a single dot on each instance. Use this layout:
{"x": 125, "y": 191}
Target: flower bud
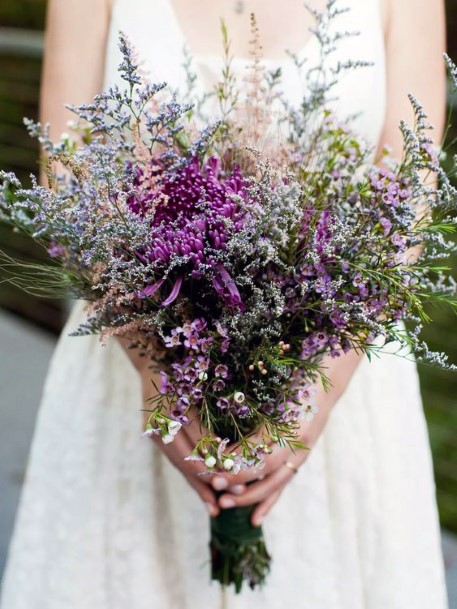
{"x": 210, "y": 461}
{"x": 228, "y": 463}
{"x": 239, "y": 397}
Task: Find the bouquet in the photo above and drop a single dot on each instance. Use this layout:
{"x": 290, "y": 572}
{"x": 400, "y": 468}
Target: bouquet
{"x": 234, "y": 260}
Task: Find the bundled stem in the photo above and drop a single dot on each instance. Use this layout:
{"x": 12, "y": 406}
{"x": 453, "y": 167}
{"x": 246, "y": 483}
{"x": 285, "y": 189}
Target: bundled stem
{"x": 238, "y": 550}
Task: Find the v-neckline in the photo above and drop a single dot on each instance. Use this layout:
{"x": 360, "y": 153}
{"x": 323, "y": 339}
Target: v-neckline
{"x": 216, "y": 58}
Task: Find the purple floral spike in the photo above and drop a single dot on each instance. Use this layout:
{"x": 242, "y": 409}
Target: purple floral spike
{"x": 226, "y": 287}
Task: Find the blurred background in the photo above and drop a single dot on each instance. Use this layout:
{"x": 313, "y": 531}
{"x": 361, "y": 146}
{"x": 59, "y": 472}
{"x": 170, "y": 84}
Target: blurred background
{"x": 29, "y": 326}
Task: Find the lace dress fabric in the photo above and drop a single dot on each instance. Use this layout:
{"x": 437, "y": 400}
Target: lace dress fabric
{"x": 105, "y": 522}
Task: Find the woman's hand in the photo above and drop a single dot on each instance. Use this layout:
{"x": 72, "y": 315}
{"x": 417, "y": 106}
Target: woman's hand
{"x": 264, "y": 487}
{"x": 195, "y": 472}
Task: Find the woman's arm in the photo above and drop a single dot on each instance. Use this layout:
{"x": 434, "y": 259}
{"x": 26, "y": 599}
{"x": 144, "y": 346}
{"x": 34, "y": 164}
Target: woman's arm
{"x": 415, "y": 42}
{"x": 74, "y": 58}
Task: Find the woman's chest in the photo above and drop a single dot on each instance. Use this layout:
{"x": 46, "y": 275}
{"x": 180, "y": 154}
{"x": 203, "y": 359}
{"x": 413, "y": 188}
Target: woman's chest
{"x": 157, "y": 34}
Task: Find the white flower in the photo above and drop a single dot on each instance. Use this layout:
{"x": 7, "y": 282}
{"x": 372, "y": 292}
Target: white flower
{"x": 228, "y": 463}
{"x": 309, "y": 412}
{"x": 239, "y": 397}
{"x": 150, "y": 431}
{"x": 210, "y": 461}
{"x": 203, "y": 375}
{"x": 167, "y": 438}
{"x": 174, "y": 427}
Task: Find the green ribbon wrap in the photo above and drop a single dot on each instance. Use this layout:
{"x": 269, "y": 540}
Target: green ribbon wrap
{"x": 238, "y": 551}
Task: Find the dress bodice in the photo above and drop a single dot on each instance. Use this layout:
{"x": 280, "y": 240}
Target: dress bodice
{"x": 154, "y": 31}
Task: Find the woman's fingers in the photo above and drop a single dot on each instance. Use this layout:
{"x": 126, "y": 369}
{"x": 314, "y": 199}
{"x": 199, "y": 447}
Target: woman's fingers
{"x": 257, "y": 491}
{"x": 195, "y": 429}
{"x": 219, "y": 483}
{"x": 237, "y": 489}
{"x": 193, "y": 471}
{"x": 222, "y": 481}
{"x": 264, "y": 507}
{"x": 206, "y": 494}
{"x": 177, "y": 451}
{"x": 273, "y": 461}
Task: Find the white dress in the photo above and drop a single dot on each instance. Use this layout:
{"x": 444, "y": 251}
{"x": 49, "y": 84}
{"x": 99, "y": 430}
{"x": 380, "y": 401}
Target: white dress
{"x": 105, "y": 522}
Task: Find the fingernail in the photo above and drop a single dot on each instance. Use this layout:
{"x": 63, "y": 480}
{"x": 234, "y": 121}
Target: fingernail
{"x": 219, "y": 483}
{"x": 257, "y": 521}
{"x": 211, "y": 509}
{"x": 227, "y": 502}
{"x": 237, "y": 489}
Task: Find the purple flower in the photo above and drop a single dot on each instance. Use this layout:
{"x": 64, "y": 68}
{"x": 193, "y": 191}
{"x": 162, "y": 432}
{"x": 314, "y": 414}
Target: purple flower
{"x": 165, "y": 385}
{"x": 221, "y": 330}
{"x": 183, "y": 403}
{"x": 221, "y": 370}
{"x": 202, "y": 363}
{"x": 397, "y": 240}
{"x": 218, "y": 385}
{"x": 187, "y": 329}
{"x": 180, "y": 417}
{"x": 386, "y": 225}
{"x": 192, "y": 341}
{"x": 223, "y": 403}
{"x": 242, "y": 411}
{"x": 199, "y": 324}
{"x": 173, "y": 340}
{"x": 321, "y": 338}
{"x": 225, "y": 345}
{"x": 190, "y": 374}
{"x": 197, "y": 393}
{"x": 226, "y": 287}
{"x": 55, "y": 250}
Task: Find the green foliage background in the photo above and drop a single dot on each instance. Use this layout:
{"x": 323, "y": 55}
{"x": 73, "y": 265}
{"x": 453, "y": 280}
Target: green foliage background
{"x": 19, "y": 85}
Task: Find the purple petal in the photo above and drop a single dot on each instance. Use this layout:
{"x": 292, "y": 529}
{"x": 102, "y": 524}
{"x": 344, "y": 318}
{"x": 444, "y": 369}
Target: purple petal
{"x": 218, "y": 286}
{"x": 163, "y": 382}
{"x": 230, "y": 285}
{"x": 151, "y": 289}
{"x": 174, "y": 292}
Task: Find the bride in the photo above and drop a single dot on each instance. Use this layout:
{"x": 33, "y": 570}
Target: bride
{"x": 108, "y": 520}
